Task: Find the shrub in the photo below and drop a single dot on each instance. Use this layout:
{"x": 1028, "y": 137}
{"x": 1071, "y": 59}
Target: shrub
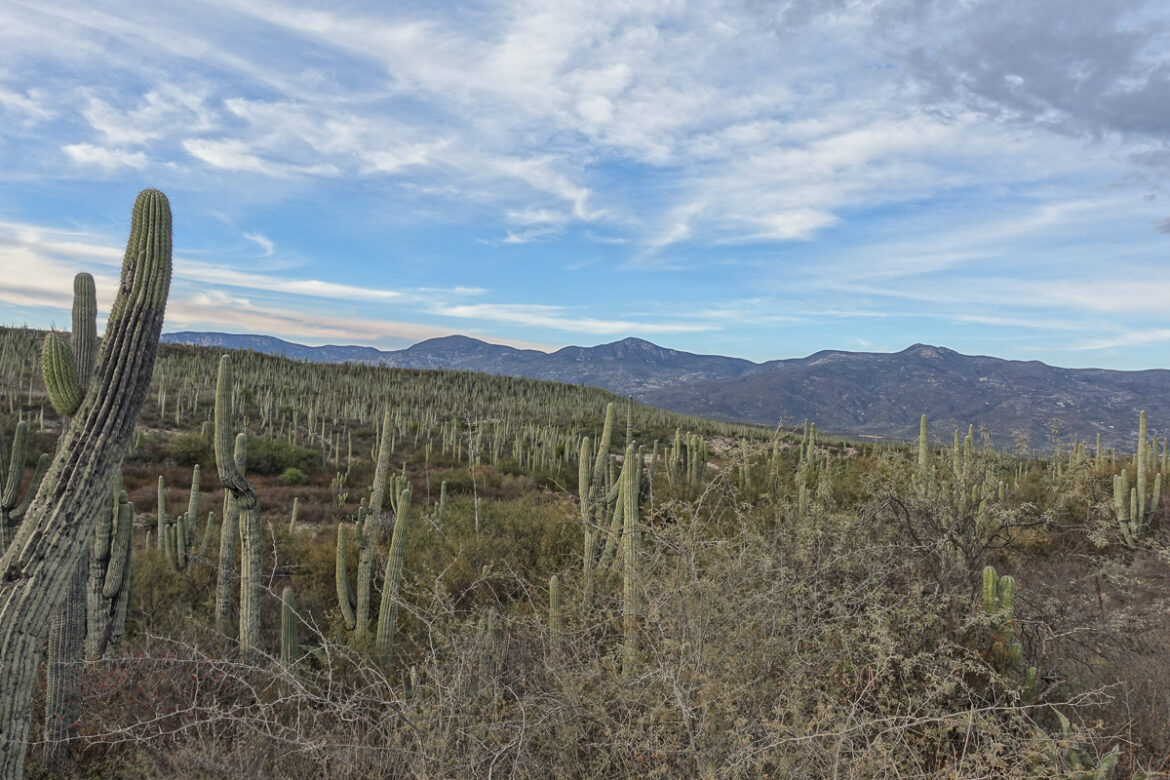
{"x": 189, "y": 449}
{"x": 293, "y": 476}
{"x": 271, "y": 457}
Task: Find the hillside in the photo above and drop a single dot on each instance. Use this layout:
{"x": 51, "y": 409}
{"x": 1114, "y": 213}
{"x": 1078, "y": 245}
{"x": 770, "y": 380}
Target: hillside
{"x": 858, "y": 394}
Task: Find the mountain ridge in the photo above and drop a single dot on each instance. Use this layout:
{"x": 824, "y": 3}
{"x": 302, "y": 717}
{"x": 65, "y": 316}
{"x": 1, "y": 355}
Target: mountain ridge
{"x": 865, "y": 394}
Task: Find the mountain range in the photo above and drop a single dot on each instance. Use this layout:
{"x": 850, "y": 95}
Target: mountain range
{"x": 859, "y": 394}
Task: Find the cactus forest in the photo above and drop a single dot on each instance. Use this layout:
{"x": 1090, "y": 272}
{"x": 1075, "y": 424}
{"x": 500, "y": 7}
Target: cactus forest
{"x": 234, "y": 565}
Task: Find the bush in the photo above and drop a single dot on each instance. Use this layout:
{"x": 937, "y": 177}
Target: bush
{"x": 189, "y": 449}
{"x": 271, "y": 457}
{"x": 293, "y": 476}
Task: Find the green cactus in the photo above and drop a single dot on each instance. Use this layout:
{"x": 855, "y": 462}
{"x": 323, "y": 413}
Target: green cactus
{"x": 246, "y": 503}
{"x": 999, "y": 601}
{"x": 290, "y": 650}
{"x": 179, "y": 535}
{"x": 61, "y": 381}
{"x": 392, "y": 581}
{"x": 554, "y": 615}
{"x": 365, "y": 570}
{"x": 108, "y": 585}
{"x": 228, "y": 538}
{"x": 345, "y": 599}
{"x": 631, "y": 477}
{"x": 13, "y": 505}
{"x": 48, "y": 549}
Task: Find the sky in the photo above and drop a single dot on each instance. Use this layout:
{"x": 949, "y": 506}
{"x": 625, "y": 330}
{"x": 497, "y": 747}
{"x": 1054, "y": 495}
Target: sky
{"x": 756, "y": 179}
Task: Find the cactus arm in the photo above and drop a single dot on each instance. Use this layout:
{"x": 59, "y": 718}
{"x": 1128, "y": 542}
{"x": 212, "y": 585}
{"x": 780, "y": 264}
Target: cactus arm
{"x": 83, "y": 338}
{"x": 119, "y": 549}
{"x": 65, "y": 392}
{"x": 34, "y": 484}
{"x": 16, "y": 464}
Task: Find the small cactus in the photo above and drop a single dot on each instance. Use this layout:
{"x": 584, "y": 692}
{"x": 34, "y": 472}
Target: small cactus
{"x": 554, "y": 615}
{"x": 999, "y": 601}
{"x": 289, "y": 648}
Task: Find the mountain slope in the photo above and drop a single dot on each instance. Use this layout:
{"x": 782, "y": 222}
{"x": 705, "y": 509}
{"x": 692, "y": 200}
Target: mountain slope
{"x": 851, "y": 393}
{"x": 884, "y": 395}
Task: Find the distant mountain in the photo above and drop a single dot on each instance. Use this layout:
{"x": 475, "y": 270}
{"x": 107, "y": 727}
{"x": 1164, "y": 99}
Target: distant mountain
{"x": 885, "y": 395}
{"x": 851, "y": 393}
{"x": 630, "y": 367}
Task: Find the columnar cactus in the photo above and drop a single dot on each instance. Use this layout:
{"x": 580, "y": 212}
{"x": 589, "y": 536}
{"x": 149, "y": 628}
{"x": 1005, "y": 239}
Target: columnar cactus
{"x": 631, "y": 474}
{"x": 554, "y": 615}
{"x": 228, "y": 538}
{"x": 47, "y": 550}
{"x": 289, "y": 648}
{"x": 247, "y": 504}
{"x": 179, "y": 535}
{"x": 12, "y": 504}
{"x": 999, "y": 601}
{"x": 392, "y": 581}
{"x": 355, "y": 619}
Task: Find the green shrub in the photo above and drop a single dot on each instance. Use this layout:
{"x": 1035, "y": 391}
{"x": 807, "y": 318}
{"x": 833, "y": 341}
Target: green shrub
{"x": 189, "y": 449}
{"x": 271, "y": 457}
{"x": 293, "y": 476}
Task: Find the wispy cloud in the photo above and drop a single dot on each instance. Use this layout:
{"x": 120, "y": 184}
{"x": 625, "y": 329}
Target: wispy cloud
{"x": 558, "y": 318}
{"x": 263, "y": 242}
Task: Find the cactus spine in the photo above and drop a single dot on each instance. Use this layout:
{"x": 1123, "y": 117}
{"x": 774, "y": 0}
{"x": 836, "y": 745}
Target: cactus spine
{"x": 48, "y": 549}
{"x": 392, "y": 584}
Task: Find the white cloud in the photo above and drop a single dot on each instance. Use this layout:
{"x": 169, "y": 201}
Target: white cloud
{"x": 262, "y": 241}
{"x": 101, "y": 157}
{"x": 556, "y": 317}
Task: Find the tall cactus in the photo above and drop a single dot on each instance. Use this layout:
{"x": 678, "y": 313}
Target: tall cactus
{"x": 345, "y": 598}
{"x": 355, "y": 612}
{"x": 289, "y": 648}
{"x": 228, "y": 538}
{"x": 631, "y": 477}
{"x": 392, "y": 582}
{"x": 47, "y": 550}
{"x": 246, "y": 503}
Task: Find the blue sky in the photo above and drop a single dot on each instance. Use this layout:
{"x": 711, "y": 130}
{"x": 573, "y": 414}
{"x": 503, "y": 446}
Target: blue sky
{"x": 754, "y": 179}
